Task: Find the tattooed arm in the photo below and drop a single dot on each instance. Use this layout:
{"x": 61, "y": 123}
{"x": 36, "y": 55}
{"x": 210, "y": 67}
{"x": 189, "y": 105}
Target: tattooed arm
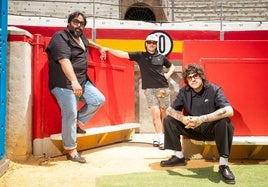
{"x": 177, "y": 115}
{"x": 221, "y": 113}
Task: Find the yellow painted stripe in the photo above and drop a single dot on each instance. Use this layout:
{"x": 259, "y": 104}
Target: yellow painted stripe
{"x": 177, "y": 46}
{"x": 134, "y": 45}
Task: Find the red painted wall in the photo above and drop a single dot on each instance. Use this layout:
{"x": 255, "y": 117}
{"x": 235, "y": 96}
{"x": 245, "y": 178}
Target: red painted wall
{"x": 198, "y": 46}
{"x": 240, "y": 68}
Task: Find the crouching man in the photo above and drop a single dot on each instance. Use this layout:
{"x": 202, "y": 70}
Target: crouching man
{"x": 201, "y": 112}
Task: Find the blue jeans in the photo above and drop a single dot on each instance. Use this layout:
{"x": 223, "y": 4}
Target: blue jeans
{"x": 68, "y": 103}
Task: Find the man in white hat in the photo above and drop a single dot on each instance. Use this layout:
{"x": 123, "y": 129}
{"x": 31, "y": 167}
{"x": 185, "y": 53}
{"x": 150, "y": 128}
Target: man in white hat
{"x": 154, "y": 81}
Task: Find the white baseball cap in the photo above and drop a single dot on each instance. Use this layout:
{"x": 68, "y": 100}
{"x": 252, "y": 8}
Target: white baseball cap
{"x": 152, "y": 37}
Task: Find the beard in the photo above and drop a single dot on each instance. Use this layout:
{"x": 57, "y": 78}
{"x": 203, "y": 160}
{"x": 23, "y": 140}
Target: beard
{"x": 75, "y": 31}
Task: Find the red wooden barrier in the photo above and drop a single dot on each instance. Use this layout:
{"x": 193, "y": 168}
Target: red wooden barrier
{"x": 240, "y": 67}
{"x": 114, "y": 78}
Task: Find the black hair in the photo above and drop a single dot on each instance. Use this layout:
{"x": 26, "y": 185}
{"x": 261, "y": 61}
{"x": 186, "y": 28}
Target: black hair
{"x": 75, "y": 15}
{"x": 194, "y": 68}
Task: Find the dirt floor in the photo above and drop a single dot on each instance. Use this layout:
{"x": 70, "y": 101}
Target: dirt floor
{"x": 119, "y": 158}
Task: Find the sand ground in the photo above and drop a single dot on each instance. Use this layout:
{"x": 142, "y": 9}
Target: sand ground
{"x": 137, "y": 155}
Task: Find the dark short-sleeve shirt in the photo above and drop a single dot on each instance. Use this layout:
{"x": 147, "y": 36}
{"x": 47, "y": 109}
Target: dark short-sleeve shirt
{"x": 151, "y": 67}
{"x": 210, "y": 99}
{"x": 62, "y": 45}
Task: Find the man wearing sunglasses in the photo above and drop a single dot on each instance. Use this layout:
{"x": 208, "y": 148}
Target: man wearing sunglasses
{"x": 200, "y": 111}
{"x": 68, "y": 81}
{"x": 154, "y": 81}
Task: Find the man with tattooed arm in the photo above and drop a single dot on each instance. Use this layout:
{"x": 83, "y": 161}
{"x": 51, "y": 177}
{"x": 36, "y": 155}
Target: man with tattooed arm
{"x": 200, "y": 111}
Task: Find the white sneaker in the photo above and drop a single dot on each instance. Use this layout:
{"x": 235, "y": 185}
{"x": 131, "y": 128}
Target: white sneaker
{"x": 161, "y": 146}
{"x": 156, "y": 143}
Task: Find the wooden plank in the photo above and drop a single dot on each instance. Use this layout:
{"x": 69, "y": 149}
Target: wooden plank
{"x": 100, "y": 130}
{"x": 257, "y": 141}
{"x": 256, "y": 151}
{"x": 239, "y": 140}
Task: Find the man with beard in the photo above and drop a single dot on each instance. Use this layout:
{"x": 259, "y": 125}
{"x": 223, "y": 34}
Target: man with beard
{"x": 154, "y": 81}
{"x": 69, "y": 83}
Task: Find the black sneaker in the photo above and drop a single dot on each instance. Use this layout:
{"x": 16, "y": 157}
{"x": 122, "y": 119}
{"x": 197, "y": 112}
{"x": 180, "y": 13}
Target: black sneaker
{"x": 76, "y": 158}
{"x": 173, "y": 161}
{"x": 227, "y": 174}
{"x": 80, "y": 131}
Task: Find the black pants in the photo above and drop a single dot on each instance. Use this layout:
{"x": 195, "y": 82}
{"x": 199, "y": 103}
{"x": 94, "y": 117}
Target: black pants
{"x": 220, "y": 131}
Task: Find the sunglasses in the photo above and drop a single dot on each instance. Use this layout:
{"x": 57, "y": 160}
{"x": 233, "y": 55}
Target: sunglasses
{"x": 194, "y": 76}
{"x": 77, "y": 21}
{"x": 151, "y": 42}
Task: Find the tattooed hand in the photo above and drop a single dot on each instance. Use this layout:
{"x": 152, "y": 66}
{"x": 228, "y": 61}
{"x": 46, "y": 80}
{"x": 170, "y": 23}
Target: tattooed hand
{"x": 195, "y": 121}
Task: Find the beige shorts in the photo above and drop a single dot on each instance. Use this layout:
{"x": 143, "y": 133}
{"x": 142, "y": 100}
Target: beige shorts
{"x": 157, "y": 97}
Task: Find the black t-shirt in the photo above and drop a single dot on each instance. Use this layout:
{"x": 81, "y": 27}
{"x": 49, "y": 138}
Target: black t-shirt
{"x": 210, "y": 99}
{"x": 151, "y": 67}
{"x": 62, "y": 45}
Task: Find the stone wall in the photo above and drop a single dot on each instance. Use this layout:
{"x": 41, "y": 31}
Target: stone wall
{"x": 168, "y": 10}
{"x": 19, "y": 97}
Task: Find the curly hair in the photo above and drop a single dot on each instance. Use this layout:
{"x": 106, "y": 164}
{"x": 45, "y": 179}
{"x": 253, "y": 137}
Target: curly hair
{"x": 75, "y": 15}
{"x": 191, "y": 69}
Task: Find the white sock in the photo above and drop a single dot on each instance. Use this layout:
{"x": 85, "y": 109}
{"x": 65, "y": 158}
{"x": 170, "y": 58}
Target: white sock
{"x": 223, "y": 161}
{"x": 156, "y": 137}
{"x": 179, "y": 154}
{"x": 161, "y": 138}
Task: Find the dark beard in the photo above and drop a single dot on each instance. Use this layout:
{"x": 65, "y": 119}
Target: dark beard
{"x": 76, "y": 32}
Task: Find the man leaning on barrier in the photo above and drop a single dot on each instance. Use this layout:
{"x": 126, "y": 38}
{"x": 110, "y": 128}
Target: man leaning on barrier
{"x": 69, "y": 83}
